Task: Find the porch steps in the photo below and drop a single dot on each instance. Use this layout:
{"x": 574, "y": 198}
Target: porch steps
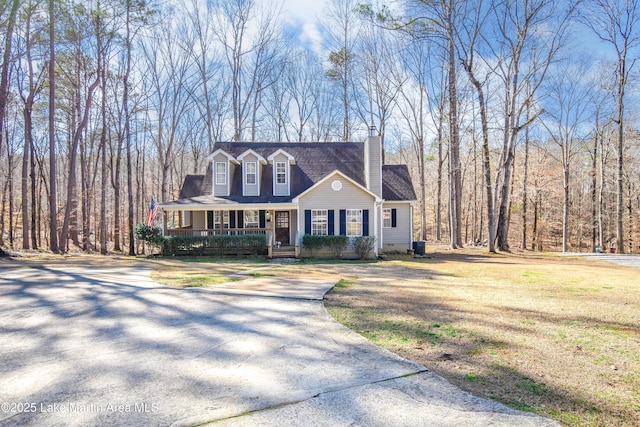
{"x": 283, "y": 252}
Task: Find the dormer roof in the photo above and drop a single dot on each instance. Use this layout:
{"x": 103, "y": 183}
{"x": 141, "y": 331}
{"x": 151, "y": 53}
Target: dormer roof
{"x": 250, "y": 151}
{"x": 280, "y": 151}
{"x": 219, "y": 151}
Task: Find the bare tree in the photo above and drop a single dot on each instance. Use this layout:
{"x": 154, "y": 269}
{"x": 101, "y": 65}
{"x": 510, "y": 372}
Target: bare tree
{"x": 617, "y": 22}
{"x": 252, "y": 62}
{"x": 83, "y": 69}
{"x": 566, "y": 111}
{"x": 376, "y": 77}
{"x": 418, "y": 104}
{"x": 29, "y": 84}
{"x": 4, "y": 73}
{"x": 529, "y": 36}
{"x": 470, "y": 35}
{"x": 172, "y": 79}
{"x": 341, "y": 23}
{"x": 53, "y": 201}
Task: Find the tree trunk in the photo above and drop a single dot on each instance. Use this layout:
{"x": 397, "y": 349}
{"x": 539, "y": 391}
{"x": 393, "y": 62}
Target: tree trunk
{"x": 53, "y": 202}
{"x": 620, "y": 175}
{"x": 486, "y": 160}
{"x": 525, "y": 179}
{"x": 103, "y": 161}
{"x": 565, "y": 208}
{"x": 4, "y": 74}
{"x": 25, "y": 177}
{"x": 127, "y": 133}
{"x": 594, "y": 193}
{"x": 455, "y": 207}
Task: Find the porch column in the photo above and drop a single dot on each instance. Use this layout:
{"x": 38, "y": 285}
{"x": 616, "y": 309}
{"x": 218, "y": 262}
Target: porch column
{"x": 164, "y": 222}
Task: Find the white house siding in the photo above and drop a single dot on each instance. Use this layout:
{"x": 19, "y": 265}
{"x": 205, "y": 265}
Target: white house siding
{"x": 324, "y": 196}
{"x": 281, "y": 189}
{"x": 221, "y": 190}
{"x": 398, "y": 239}
{"x": 251, "y": 190}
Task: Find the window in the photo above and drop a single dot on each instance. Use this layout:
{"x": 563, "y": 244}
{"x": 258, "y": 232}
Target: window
{"x": 217, "y": 216}
{"x": 354, "y": 222}
{"x": 221, "y": 173}
{"x": 386, "y": 218}
{"x": 251, "y": 219}
{"x": 281, "y": 173}
{"x": 319, "y": 222}
{"x": 250, "y": 173}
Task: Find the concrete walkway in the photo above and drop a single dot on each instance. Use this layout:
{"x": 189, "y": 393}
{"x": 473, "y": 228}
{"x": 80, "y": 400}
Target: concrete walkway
{"x": 628, "y": 260}
{"x": 110, "y": 347}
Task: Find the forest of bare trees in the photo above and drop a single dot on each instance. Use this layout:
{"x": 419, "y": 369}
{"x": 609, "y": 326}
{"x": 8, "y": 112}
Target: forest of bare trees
{"x": 518, "y": 118}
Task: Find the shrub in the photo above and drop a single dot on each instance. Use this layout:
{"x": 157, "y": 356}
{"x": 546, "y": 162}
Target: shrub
{"x": 337, "y": 244}
{"x": 216, "y": 245}
{"x": 313, "y": 242}
{"x": 363, "y": 245}
{"x": 152, "y": 236}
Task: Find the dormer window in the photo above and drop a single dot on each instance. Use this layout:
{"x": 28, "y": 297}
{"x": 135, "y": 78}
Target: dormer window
{"x": 221, "y": 173}
{"x": 222, "y": 169}
{"x": 281, "y": 173}
{"x": 282, "y": 163}
{"x": 250, "y": 171}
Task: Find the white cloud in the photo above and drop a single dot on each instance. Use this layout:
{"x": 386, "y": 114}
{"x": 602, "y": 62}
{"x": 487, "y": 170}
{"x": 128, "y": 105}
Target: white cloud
{"x": 305, "y": 15}
{"x": 303, "y": 10}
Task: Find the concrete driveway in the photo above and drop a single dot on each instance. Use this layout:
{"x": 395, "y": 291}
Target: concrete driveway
{"x": 108, "y": 346}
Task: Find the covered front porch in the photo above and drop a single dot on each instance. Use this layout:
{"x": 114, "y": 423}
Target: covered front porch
{"x": 278, "y": 223}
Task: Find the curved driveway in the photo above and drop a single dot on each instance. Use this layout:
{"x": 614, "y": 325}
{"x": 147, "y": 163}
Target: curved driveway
{"x": 108, "y": 346}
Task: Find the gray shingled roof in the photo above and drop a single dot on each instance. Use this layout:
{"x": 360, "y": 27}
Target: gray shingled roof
{"x": 396, "y": 183}
{"x": 313, "y": 161}
{"x": 192, "y": 186}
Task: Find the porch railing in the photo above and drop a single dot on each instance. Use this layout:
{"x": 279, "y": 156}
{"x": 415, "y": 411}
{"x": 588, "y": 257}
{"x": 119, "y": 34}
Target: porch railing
{"x": 215, "y": 232}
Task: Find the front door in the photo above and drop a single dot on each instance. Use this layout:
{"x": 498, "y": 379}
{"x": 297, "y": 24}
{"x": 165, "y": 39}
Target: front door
{"x": 282, "y": 227}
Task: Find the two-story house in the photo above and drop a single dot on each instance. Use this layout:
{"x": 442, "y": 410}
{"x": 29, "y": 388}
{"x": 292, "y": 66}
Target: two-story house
{"x": 286, "y": 190}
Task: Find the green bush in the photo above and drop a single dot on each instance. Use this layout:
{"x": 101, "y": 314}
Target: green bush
{"x": 337, "y": 244}
{"x": 363, "y": 245}
{"x": 313, "y": 242}
{"x": 216, "y": 245}
{"x": 152, "y": 236}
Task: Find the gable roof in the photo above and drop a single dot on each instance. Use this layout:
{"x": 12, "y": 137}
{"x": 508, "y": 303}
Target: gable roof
{"x": 330, "y": 176}
{"x": 396, "y": 183}
{"x": 313, "y": 162}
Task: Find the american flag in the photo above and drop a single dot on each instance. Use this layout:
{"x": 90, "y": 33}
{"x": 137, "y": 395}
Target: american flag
{"x": 153, "y": 211}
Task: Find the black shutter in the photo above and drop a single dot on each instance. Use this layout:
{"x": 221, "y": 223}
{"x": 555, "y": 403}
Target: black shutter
{"x": 307, "y": 221}
{"x": 232, "y": 219}
{"x": 365, "y": 222}
{"x": 210, "y": 220}
{"x": 330, "y": 222}
{"x": 240, "y": 219}
{"x": 263, "y": 218}
{"x": 343, "y": 222}
{"x": 394, "y": 218}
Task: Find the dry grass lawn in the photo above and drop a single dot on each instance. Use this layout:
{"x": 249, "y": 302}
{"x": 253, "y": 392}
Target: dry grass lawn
{"x": 552, "y": 335}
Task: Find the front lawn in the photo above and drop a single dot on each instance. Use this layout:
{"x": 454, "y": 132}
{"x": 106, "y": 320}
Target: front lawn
{"x": 556, "y": 336}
